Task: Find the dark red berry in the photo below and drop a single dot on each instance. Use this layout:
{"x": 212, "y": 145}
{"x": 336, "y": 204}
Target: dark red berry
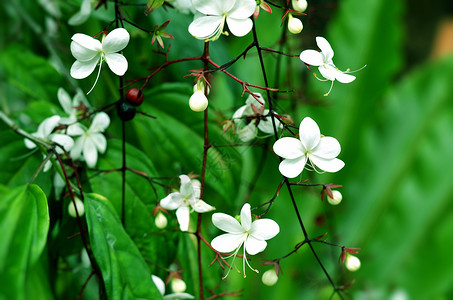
{"x": 135, "y": 96}
{"x": 126, "y": 111}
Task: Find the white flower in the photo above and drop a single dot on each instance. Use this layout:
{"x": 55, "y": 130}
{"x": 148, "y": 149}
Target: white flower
{"x": 70, "y": 106}
{"x": 183, "y": 6}
{"x": 175, "y": 296}
{"x": 188, "y": 196}
{"x": 320, "y": 151}
{"x": 89, "y": 52}
{"x": 295, "y": 25}
{"x": 91, "y": 140}
{"x": 323, "y": 60}
{"x": 252, "y": 235}
{"x": 256, "y": 111}
{"x": 44, "y": 132}
{"x": 235, "y": 13}
{"x": 198, "y": 101}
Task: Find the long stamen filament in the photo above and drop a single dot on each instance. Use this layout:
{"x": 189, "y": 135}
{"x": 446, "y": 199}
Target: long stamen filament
{"x": 97, "y": 77}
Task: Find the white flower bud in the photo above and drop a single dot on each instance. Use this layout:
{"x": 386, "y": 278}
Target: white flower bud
{"x": 337, "y": 197}
{"x": 80, "y": 208}
{"x": 160, "y": 220}
{"x": 295, "y": 25}
{"x": 178, "y": 285}
{"x": 352, "y": 262}
{"x": 198, "y": 101}
{"x": 269, "y": 277}
{"x": 300, "y": 5}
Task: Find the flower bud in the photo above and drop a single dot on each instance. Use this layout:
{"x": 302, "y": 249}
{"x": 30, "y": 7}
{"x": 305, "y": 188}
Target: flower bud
{"x": 300, "y": 5}
{"x": 200, "y": 86}
{"x": 295, "y": 25}
{"x": 135, "y": 96}
{"x": 269, "y": 277}
{"x": 80, "y": 208}
{"x": 337, "y": 197}
{"x": 352, "y": 262}
{"x": 160, "y": 220}
{"x": 198, "y": 101}
{"x": 178, "y": 285}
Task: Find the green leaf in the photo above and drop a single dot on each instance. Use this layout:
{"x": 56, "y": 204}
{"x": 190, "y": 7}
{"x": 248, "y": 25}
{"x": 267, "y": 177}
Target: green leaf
{"x": 152, "y": 5}
{"x": 124, "y": 271}
{"x": 24, "y": 224}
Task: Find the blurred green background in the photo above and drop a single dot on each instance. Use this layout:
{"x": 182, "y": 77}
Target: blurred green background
{"x": 394, "y": 122}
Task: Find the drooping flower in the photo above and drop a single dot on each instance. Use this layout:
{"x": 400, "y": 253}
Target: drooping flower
{"x": 91, "y": 140}
{"x": 188, "y": 196}
{"x": 209, "y": 26}
{"x": 89, "y": 52}
{"x": 311, "y": 148}
{"x": 175, "y": 296}
{"x": 45, "y": 132}
{"x": 252, "y": 116}
{"x": 252, "y": 235}
{"x": 323, "y": 60}
{"x": 71, "y": 107}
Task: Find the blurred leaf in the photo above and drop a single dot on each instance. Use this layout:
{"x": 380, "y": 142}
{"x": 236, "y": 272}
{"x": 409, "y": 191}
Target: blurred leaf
{"x": 24, "y": 223}
{"x": 125, "y": 273}
{"x": 152, "y": 5}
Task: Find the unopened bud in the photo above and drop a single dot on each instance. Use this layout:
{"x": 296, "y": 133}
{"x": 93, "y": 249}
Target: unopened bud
{"x": 295, "y": 25}
{"x": 269, "y": 277}
{"x": 160, "y": 220}
{"x": 300, "y": 5}
{"x": 178, "y": 285}
{"x": 337, "y": 197}
{"x": 352, "y": 262}
{"x": 198, "y": 101}
{"x": 200, "y": 86}
{"x": 80, "y": 208}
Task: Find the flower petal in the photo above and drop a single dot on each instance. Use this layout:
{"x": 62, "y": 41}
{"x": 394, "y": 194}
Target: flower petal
{"x": 292, "y": 167}
{"x": 328, "y": 165}
{"x": 186, "y": 188}
{"x": 325, "y": 47}
{"x": 329, "y": 72}
{"x": 239, "y": 113}
{"x": 117, "y": 63}
{"x": 264, "y": 229}
{"x": 227, "y": 223}
{"x": 242, "y": 9}
{"x": 83, "y": 54}
{"x": 63, "y": 140}
{"x": 200, "y": 206}
{"x": 205, "y": 27}
{"x": 254, "y": 245}
{"x": 251, "y": 100}
{"x": 227, "y": 242}
{"x": 47, "y": 126}
{"x": 178, "y": 296}
{"x": 82, "y": 15}
{"x": 266, "y": 125}
{"x": 212, "y": 7}
{"x": 344, "y": 78}
{"x": 312, "y": 57}
{"x": 76, "y": 129}
{"x": 172, "y": 201}
{"x": 65, "y": 101}
{"x": 159, "y": 283}
{"x": 76, "y": 151}
{"x": 99, "y": 141}
{"x": 90, "y": 153}
{"x": 183, "y": 216}
{"x": 196, "y": 184}
{"x": 309, "y": 133}
{"x": 246, "y": 217}
{"x": 247, "y": 133}
{"x": 328, "y": 148}
{"x": 29, "y": 144}
{"x": 239, "y": 27}
{"x": 80, "y": 70}
{"x": 87, "y": 42}
{"x": 115, "y": 41}
{"x": 100, "y": 122}
{"x": 288, "y": 147}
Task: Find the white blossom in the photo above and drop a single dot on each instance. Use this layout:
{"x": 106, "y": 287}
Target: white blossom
{"x": 70, "y": 105}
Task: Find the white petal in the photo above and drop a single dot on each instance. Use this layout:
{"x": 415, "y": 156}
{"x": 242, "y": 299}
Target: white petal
{"x": 254, "y": 246}
{"x": 227, "y": 242}
{"x": 76, "y": 129}
{"x": 248, "y": 132}
{"x": 246, "y": 217}
{"x": 242, "y": 9}
{"x": 211, "y": 7}
{"x": 328, "y": 148}
{"x": 328, "y": 72}
{"x": 264, "y": 229}
{"x": 328, "y": 165}
{"x": 343, "y": 77}
{"x": 186, "y": 188}
{"x": 99, "y": 141}
{"x": 312, "y": 57}
{"x": 325, "y": 47}
{"x": 292, "y": 167}
{"x": 251, "y": 100}
{"x": 82, "y": 15}
{"x": 238, "y": 113}
{"x": 266, "y": 125}
{"x": 100, "y": 122}
{"x": 205, "y": 27}
{"x": 76, "y": 151}
{"x": 90, "y": 153}
{"x": 200, "y": 206}
{"x": 87, "y": 42}
{"x": 239, "y": 27}
{"x": 159, "y": 283}
{"x": 117, "y": 63}
{"x": 178, "y": 296}
{"x": 227, "y": 223}
{"x": 81, "y": 53}
{"x": 196, "y": 184}
{"x": 183, "y": 215}
{"x": 80, "y": 70}
{"x": 289, "y": 147}
{"x": 63, "y": 140}
{"x": 47, "y": 126}
{"x": 65, "y": 101}
{"x": 309, "y": 133}
{"x": 29, "y": 144}
{"x": 172, "y": 201}
{"x": 116, "y": 40}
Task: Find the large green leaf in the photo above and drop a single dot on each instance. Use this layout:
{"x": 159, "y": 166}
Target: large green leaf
{"x": 24, "y": 224}
{"x": 124, "y": 271}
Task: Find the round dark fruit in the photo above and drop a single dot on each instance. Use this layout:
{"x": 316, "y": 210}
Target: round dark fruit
{"x": 135, "y": 96}
{"x": 126, "y": 111}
